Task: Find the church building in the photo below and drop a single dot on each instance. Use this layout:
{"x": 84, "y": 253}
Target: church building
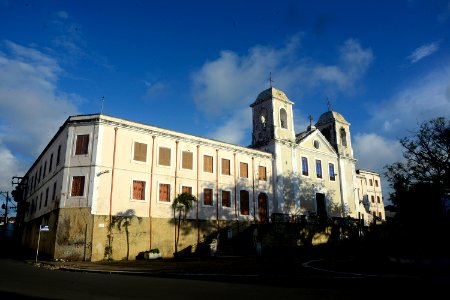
{"x": 104, "y": 186}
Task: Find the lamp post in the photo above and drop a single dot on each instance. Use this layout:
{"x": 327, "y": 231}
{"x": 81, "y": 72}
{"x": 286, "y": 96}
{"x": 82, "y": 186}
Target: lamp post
{"x": 6, "y": 206}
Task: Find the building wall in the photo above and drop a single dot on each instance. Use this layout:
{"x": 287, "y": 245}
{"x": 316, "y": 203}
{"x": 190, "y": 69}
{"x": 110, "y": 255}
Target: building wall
{"x": 370, "y": 195}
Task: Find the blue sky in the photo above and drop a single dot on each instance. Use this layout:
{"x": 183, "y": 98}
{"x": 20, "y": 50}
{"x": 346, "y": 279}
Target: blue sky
{"x": 195, "y": 66}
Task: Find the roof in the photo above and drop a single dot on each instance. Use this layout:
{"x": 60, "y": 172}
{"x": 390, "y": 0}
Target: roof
{"x": 331, "y": 116}
{"x": 269, "y": 94}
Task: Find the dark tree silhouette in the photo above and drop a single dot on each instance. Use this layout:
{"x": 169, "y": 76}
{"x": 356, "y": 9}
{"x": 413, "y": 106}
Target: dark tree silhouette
{"x": 182, "y": 204}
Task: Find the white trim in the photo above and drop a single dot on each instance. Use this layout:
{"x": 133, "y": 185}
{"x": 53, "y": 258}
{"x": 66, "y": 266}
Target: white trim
{"x": 146, "y": 162}
{"x": 231, "y": 198}
{"x": 145, "y": 190}
{"x": 158, "y": 183}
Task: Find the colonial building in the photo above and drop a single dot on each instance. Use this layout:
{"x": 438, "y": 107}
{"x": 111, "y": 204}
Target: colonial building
{"x": 105, "y": 185}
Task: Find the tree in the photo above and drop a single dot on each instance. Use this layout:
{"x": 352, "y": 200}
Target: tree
{"x": 427, "y": 163}
{"x": 182, "y": 204}
{"x": 421, "y": 189}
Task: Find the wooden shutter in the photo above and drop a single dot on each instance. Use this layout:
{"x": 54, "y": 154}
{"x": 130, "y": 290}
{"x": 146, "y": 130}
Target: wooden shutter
{"x": 77, "y": 186}
{"x": 187, "y": 158}
{"x": 82, "y": 144}
{"x": 207, "y": 197}
{"x": 164, "y": 192}
{"x": 226, "y": 199}
{"x": 225, "y": 166}
{"x": 207, "y": 163}
{"x": 244, "y": 170}
{"x": 138, "y": 190}
{"x": 244, "y": 202}
{"x": 140, "y": 152}
{"x": 186, "y": 189}
{"x": 164, "y": 156}
{"x": 262, "y": 173}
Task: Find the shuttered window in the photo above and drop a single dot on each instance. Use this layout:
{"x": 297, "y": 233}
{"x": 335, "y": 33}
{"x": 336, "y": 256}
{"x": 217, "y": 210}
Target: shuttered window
{"x": 207, "y": 163}
{"x": 244, "y": 203}
{"x": 262, "y": 173}
{"x": 138, "y": 190}
{"x": 187, "y": 160}
{"x": 208, "y": 197}
{"x": 164, "y": 156}
{"x": 243, "y": 167}
{"x": 226, "y": 198}
{"x": 186, "y": 189}
{"x": 140, "y": 152}
{"x": 164, "y": 192}
{"x": 225, "y": 166}
{"x": 77, "y": 186}
{"x": 82, "y": 144}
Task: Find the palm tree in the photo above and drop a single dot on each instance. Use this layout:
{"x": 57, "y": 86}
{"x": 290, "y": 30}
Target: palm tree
{"x": 182, "y": 204}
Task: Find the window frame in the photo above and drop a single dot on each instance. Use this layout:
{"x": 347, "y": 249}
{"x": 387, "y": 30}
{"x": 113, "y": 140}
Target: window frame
{"x": 83, "y": 186}
{"x": 331, "y": 172}
{"x": 183, "y": 152}
{"x": 204, "y": 197}
{"x": 205, "y": 156}
{"x": 144, "y": 182}
{"x": 82, "y": 147}
{"x": 226, "y": 160}
{"x": 134, "y": 153}
{"x": 241, "y": 164}
{"x": 229, "y": 199}
{"x": 241, "y": 211}
{"x": 319, "y": 175}
{"x": 305, "y": 165}
{"x": 169, "y": 192}
{"x": 263, "y": 170}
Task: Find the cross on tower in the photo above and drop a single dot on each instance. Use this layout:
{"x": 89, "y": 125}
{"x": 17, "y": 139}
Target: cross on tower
{"x": 329, "y": 105}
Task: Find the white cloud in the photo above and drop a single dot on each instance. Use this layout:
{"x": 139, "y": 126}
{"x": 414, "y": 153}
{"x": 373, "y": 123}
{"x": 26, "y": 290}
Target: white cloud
{"x": 62, "y": 14}
{"x": 422, "y": 99}
{"x": 423, "y": 51}
{"x": 233, "y": 131}
{"x": 154, "y": 89}
{"x": 229, "y": 84}
{"x": 33, "y": 108}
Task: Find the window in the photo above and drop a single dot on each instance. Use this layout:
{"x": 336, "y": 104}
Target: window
{"x": 45, "y": 168}
{"x": 164, "y": 192}
{"x": 376, "y": 183}
{"x": 262, "y": 173}
{"x": 283, "y": 118}
{"x": 244, "y": 203}
{"x": 343, "y": 137}
{"x": 46, "y": 197}
{"x": 226, "y": 199}
{"x": 77, "y": 186}
{"x": 54, "y": 191}
{"x": 40, "y": 201}
{"x": 82, "y": 144}
{"x": 370, "y": 182}
{"x": 331, "y": 171}
{"x": 50, "y": 164}
{"x": 225, "y": 166}
{"x": 164, "y": 156}
{"x": 378, "y": 199}
{"x": 58, "y": 155}
{"x": 372, "y": 198}
{"x": 140, "y": 152}
{"x": 138, "y": 190}
{"x": 40, "y": 174}
{"x": 318, "y": 168}
{"x": 243, "y": 167}
{"x": 187, "y": 160}
{"x": 380, "y": 215}
{"x": 207, "y": 163}
{"x": 207, "y": 197}
{"x": 305, "y": 166}
{"x": 186, "y": 189}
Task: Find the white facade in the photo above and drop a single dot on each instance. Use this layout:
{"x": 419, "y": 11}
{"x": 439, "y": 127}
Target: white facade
{"x": 98, "y": 169}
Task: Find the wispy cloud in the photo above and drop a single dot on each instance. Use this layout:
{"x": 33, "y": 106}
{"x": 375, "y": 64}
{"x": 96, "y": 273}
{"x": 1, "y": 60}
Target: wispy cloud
{"x": 34, "y": 105}
{"x": 229, "y": 84}
{"x": 423, "y": 51}
{"x": 155, "y": 89}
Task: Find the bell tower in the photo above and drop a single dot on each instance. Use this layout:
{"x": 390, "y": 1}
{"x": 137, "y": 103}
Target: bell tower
{"x": 273, "y": 131}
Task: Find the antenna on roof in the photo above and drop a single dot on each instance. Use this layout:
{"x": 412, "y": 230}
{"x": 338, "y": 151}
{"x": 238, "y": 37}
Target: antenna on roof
{"x": 103, "y": 100}
{"x": 270, "y": 79}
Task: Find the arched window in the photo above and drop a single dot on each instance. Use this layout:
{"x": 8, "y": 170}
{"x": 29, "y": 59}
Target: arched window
{"x": 283, "y": 118}
{"x": 343, "y": 137}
